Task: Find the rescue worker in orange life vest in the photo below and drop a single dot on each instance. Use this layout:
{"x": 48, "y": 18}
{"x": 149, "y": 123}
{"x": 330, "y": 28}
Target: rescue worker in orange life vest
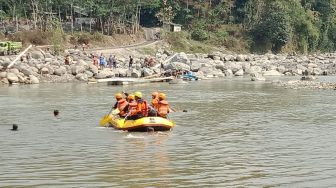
{"x": 131, "y": 108}
{"x": 121, "y": 105}
{"x": 154, "y": 104}
{"x": 163, "y": 106}
{"x": 142, "y": 107}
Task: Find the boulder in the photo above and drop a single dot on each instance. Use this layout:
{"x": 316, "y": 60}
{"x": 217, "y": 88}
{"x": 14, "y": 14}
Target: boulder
{"x": 89, "y": 74}
{"x": 3, "y": 75}
{"x": 239, "y": 73}
{"x": 77, "y": 69}
{"x": 14, "y": 70}
{"x": 181, "y": 58}
{"x": 177, "y": 66}
{"x": 228, "y": 73}
{"x": 37, "y": 54}
{"x": 4, "y": 81}
{"x": 93, "y": 69}
{"x": 12, "y": 78}
{"x": 122, "y": 72}
{"x": 27, "y": 71}
{"x": 22, "y": 79}
{"x": 33, "y": 79}
{"x": 147, "y": 72}
{"x": 257, "y": 77}
{"x": 60, "y": 71}
{"x": 133, "y": 73}
{"x": 82, "y": 77}
{"x": 195, "y": 65}
{"x": 272, "y": 73}
{"x": 101, "y": 75}
{"x": 44, "y": 70}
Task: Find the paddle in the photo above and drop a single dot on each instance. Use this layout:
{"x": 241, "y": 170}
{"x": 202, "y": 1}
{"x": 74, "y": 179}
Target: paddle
{"x": 108, "y": 116}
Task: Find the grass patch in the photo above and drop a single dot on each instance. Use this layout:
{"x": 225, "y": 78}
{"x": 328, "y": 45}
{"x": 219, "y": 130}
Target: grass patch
{"x": 147, "y": 51}
{"x": 182, "y": 42}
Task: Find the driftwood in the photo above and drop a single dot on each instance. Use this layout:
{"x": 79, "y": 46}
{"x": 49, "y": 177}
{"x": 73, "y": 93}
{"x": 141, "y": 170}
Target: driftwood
{"x": 19, "y": 56}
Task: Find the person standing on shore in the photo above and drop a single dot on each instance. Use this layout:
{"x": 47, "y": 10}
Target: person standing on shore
{"x": 95, "y": 60}
{"x": 110, "y": 61}
{"x": 102, "y": 61}
{"x": 114, "y": 62}
{"x": 130, "y": 62}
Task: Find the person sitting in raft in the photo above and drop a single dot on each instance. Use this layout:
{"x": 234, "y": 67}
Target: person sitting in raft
{"x": 154, "y": 104}
{"x": 163, "y": 106}
{"x": 131, "y": 108}
{"x": 121, "y": 105}
{"x": 141, "y": 107}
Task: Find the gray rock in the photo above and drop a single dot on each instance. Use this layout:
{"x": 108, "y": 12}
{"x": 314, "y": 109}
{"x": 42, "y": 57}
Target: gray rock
{"x": 133, "y": 73}
{"x": 228, "y": 73}
{"x": 60, "y": 71}
{"x": 12, "y": 78}
{"x": 77, "y": 69}
{"x": 147, "y": 72}
{"x": 317, "y": 71}
{"x": 82, "y": 77}
{"x": 22, "y": 79}
{"x": 4, "y": 81}
{"x": 14, "y": 70}
{"x": 181, "y": 58}
{"x": 195, "y": 65}
{"x": 272, "y": 73}
{"x": 33, "y": 79}
{"x": 177, "y": 66}
{"x": 89, "y": 74}
{"x": 257, "y": 77}
{"x": 44, "y": 70}
{"x": 93, "y": 69}
{"x": 122, "y": 72}
{"x": 37, "y": 54}
{"x": 101, "y": 75}
{"x": 281, "y": 69}
{"x": 239, "y": 73}
{"x": 3, "y": 74}
{"x": 27, "y": 71}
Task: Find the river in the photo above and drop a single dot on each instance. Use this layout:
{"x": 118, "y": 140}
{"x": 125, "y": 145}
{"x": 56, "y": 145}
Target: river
{"x": 235, "y": 133}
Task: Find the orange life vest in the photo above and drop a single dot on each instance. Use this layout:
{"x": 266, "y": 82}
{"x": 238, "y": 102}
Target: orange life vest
{"x": 142, "y": 108}
{"x": 163, "y": 108}
{"x": 122, "y": 103}
{"x": 155, "y": 103}
{"x": 132, "y": 108}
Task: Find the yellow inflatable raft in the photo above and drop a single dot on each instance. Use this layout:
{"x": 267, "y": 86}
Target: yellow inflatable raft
{"x": 144, "y": 124}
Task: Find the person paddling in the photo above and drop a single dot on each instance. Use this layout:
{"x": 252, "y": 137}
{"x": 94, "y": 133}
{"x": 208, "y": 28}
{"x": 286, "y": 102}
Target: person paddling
{"x": 163, "y": 106}
{"x": 121, "y": 105}
{"x": 142, "y": 106}
{"x": 154, "y": 104}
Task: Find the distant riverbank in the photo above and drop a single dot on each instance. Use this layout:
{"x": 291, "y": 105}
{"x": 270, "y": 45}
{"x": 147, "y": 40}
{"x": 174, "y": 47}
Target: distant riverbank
{"x": 43, "y": 67}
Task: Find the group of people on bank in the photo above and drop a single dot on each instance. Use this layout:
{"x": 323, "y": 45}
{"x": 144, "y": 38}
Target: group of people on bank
{"x": 134, "y": 106}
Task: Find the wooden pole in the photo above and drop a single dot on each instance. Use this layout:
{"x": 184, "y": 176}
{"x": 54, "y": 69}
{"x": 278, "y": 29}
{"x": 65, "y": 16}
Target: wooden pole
{"x": 19, "y": 56}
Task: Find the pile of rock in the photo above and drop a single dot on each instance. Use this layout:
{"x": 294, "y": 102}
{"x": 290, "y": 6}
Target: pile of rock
{"x": 44, "y": 67}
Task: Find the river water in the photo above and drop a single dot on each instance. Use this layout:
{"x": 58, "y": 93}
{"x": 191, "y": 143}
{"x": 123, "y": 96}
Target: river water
{"x": 234, "y": 134}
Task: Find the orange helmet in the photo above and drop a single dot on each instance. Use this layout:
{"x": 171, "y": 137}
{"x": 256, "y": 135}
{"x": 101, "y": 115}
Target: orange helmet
{"x": 162, "y": 96}
{"x": 155, "y": 94}
{"x": 118, "y": 96}
{"x": 130, "y": 97}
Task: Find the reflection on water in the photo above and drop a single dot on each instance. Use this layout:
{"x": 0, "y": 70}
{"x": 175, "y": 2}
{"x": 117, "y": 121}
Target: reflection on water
{"x": 235, "y": 134}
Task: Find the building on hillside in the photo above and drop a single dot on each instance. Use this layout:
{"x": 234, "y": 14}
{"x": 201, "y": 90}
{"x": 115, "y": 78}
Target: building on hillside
{"x": 172, "y": 27}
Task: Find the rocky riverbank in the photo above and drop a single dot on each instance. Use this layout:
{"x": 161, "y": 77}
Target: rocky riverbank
{"x": 43, "y": 67}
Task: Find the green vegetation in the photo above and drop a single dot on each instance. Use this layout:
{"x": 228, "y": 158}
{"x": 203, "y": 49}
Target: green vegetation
{"x": 240, "y": 25}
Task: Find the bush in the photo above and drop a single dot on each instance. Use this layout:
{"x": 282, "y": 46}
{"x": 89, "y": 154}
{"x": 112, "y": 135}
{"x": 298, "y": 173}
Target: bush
{"x": 199, "y": 34}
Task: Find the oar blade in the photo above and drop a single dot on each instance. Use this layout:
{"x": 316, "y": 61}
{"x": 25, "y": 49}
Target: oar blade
{"x": 105, "y": 120}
